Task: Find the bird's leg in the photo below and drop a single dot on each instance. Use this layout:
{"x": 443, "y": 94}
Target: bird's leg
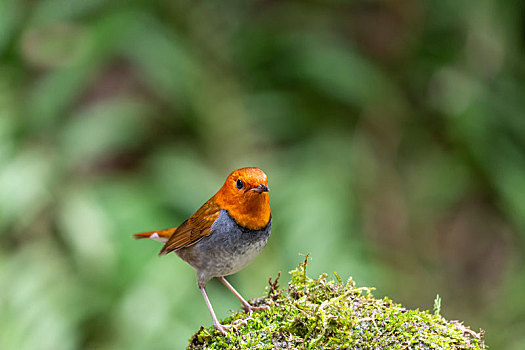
{"x": 221, "y": 328}
{"x": 245, "y": 305}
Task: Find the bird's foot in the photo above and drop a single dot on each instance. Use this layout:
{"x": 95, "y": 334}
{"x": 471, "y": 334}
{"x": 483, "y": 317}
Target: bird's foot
{"x": 241, "y": 322}
{"x": 249, "y": 308}
{"x": 223, "y": 328}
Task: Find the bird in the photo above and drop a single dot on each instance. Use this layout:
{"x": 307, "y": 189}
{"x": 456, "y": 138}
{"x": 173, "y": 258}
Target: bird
{"x": 224, "y": 235}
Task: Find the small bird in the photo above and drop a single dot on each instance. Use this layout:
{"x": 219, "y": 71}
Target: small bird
{"x": 225, "y": 234}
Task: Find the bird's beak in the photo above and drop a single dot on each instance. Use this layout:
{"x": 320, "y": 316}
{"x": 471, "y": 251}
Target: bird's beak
{"x": 260, "y": 189}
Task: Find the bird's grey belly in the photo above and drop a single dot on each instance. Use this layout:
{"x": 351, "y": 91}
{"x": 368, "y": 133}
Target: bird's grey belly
{"x": 227, "y": 249}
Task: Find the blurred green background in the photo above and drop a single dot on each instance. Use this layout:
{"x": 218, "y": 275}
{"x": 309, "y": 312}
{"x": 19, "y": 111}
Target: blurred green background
{"x": 392, "y": 132}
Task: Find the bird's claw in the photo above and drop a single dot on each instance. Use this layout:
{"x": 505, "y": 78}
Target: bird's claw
{"x": 249, "y": 308}
{"x": 222, "y": 328}
{"x": 225, "y": 328}
{"x": 241, "y": 322}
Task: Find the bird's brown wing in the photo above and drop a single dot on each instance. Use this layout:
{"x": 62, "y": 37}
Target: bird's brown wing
{"x": 194, "y": 229}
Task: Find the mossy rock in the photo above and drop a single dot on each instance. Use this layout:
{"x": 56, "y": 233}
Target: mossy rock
{"x": 322, "y": 314}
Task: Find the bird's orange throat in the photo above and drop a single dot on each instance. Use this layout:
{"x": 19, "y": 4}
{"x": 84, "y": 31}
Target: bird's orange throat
{"x": 252, "y": 212}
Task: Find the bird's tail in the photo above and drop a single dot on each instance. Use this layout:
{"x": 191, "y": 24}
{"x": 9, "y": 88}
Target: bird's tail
{"x": 159, "y": 235}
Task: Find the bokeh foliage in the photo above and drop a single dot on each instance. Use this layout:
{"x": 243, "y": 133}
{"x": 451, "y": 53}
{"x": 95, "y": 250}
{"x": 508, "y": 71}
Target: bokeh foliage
{"x": 393, "y": 134}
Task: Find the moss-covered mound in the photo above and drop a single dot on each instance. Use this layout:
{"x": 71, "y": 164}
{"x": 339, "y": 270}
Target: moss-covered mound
{"x": 322, "y": 314}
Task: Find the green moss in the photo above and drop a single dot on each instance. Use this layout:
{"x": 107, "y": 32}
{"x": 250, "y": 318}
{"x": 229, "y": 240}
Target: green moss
{"x": 322, "y": 314}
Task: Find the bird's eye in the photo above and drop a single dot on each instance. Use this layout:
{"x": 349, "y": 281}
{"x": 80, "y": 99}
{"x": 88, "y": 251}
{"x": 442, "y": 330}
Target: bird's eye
{"x": 240, "y": 184}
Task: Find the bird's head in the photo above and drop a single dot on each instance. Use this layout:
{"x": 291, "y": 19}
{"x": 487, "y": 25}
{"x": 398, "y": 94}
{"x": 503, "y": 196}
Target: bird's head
{"x": 245, "y": 196}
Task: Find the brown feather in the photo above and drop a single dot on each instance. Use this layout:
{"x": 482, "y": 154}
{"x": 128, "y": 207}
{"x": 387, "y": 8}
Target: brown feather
{"x": 161, "y": 233}
{"x": 194, "y": 229}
